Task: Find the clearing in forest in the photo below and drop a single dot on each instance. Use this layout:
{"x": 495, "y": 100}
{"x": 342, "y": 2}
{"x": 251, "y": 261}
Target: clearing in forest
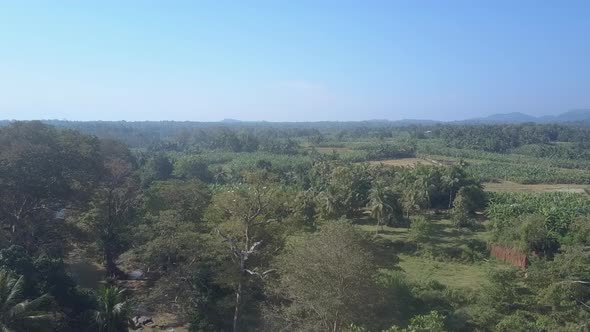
{"x": 448, "y": 256}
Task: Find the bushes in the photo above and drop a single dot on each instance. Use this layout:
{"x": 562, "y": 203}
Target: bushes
{"x": 420, "y": 229}
{"x": 45, "y": 275}
{"x": 537, "y": 222}
{"x": 534, "y": 236}
{"x": 579, "y": 231}
{"x": 192, "y": 167}
{"x": 468, "y": 199}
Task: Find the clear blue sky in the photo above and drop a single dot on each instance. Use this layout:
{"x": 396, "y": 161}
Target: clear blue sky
{"x": 291, "y": 60}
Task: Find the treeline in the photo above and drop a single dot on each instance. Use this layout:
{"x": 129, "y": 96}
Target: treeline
{"x": 503, "y": 138}
{"x": 283, "y": 137}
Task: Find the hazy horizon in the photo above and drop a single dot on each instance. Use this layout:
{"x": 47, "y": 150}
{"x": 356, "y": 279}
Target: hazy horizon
{"x": 303, "y": 61}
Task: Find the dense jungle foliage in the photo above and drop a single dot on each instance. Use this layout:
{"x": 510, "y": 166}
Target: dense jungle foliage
{"x": 291, "y": 227}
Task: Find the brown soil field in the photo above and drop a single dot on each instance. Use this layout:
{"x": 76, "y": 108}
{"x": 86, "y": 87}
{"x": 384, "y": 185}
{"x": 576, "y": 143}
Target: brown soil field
{"x": 508, "y": 186}
{"x": 412, "y": 162}
{"x": 401, "y": 162}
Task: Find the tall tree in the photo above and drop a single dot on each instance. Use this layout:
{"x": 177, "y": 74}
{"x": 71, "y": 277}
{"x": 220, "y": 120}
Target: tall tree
{"x": 326, "y": 280}
{"x": 42, "y": 171}
{"x": 112, "y": 212}
{"x": 245, "y": 218}
{"x": 383, "y": 205}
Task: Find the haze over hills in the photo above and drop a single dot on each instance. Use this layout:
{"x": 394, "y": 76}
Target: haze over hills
{"x": 577, "y": 116}
{"x": 517, "y": 117}
{"x": 581, "y": 115}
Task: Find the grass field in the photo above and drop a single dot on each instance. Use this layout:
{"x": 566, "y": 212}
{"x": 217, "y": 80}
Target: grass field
{"x": 450, "y": 274}
{"x": 509, "y": 186}
{"x": 445, "y": 239}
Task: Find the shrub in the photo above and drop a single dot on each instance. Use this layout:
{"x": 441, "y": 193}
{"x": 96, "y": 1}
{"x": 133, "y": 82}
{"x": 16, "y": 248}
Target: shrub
{"x": 420, "y": 229}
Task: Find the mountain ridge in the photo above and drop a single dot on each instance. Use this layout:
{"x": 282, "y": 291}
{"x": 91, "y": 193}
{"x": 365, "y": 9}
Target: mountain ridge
{"x": 579, "y": 115}
{"x": 572, "y": 116}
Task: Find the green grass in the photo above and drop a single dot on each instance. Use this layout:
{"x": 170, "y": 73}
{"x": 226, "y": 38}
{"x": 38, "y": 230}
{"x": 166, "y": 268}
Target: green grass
{"x": 437, "y": 258}
{"x": 450, "y": 274}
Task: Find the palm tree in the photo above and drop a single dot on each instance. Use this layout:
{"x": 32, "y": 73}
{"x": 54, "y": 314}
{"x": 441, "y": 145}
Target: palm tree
{"x": 112, "y": 314}
{"x": 18, "y": 314}
{"x": 329, "y": 202}
{"x": 378, "y": 208}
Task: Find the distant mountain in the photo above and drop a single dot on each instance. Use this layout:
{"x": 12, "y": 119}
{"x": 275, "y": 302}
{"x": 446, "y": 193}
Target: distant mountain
{"x": 403, "y": 122}
{"x": 418, "y": 122}
{"x": 574, "y": 116}
{"x": 230, "y": 121}
{"x": 517, "y": 117}
{"x": 581, "y": 116}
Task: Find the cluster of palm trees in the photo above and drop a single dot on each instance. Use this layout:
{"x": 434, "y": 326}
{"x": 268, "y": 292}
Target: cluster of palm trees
{"x": 20, "y": 314}
{"x": 383, "y": 205}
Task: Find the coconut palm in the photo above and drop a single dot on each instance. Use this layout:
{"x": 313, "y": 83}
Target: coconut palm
{"x": 18, "y": 314}
{"x": 383, "y": 205}
{"x": 329, "y": 202}
{"x": 112, "y": 314}
{"x": 378, "y": 207}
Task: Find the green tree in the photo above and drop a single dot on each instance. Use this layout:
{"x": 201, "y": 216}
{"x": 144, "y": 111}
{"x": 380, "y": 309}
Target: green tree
{"x": 18, "y": 314}
{"x": 467, "y": 201}
{"x": 534, "y": 235}
{"x": 112, "y": 313}
{"x": 431, "y": 322}
{"x": 158, "y": 168}
{"x": 112, "y": 212}
{"x": 579, "y": 231}
{"x": 345, "y": 192}
{"x": 503, "y": 292}
{"x": 327, "y": 280}
{"x": 189, "y": 199}
{"x": 245, "y": 218}
{"x": 191, "y": 167}
{"x": 383, "y": 205}
{"x": 562, "y": 286}
{"x": 42, "y": 171}
{"x": 420, "y": 229}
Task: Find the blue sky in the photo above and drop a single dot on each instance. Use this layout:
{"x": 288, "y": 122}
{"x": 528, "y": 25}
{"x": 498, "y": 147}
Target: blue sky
{"x": 291, "y": 60}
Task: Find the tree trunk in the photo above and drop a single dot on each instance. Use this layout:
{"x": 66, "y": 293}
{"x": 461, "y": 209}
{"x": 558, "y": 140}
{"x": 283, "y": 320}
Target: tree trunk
{"x": 450, "y": 198}
{"x": 237, "y": 305}
{"x": 111, "y": 267}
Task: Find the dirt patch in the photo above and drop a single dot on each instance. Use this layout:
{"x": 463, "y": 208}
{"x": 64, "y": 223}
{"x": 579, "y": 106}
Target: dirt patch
{"x": 167, "y": 322}
{"x": 411, "y": 162}
{"x": 509, "y": 255}
{"x": 401, "y": 162}
{"x": 508, "y": 186}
